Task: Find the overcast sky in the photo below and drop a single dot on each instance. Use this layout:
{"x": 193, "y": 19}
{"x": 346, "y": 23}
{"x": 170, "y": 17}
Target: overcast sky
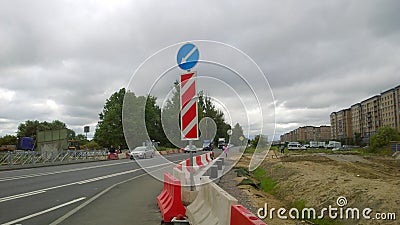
{"x": 62, "y": 59}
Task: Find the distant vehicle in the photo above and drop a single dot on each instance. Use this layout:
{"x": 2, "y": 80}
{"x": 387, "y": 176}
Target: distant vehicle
{"x": 74, "y": 145}
{"x": 187, "y": 149}
{"x": 8, "y": 148}
{"x": 221, "y": 143}
{"x": 334, "y": 144}
{"x": 317, "y": 144}
{"x": 26, "y": 143}
{"x": 142, "y": 152}
{"x": 295, "y": 146}
{"x": 314, "y": 144}
{"x": 208, "y": 145}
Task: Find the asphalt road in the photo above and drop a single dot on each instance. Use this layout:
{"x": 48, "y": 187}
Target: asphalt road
{"x": 84, "y": 193}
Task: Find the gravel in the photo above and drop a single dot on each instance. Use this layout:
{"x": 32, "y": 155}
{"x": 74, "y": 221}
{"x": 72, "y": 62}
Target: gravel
{"x": 228, "y": 183}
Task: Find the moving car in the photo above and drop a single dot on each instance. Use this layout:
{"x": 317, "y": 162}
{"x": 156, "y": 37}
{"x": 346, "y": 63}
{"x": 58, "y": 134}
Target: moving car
{"x": 187, "y": 149}
{"x": 142, "y": 152}
{"x": 208, "y": 145}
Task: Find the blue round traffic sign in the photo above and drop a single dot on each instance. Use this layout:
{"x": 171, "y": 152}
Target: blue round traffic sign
{"x": 188, "y": 56}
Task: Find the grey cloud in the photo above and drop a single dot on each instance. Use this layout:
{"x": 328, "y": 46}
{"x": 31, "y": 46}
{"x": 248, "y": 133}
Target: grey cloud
{"x": 318, "y": 56}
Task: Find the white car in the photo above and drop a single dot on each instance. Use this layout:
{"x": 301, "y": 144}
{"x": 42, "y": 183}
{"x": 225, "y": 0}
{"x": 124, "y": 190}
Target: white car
{"x": 142, "y": 152}
{"x": 294, "y": 146}
{"x": 187, "y": 149}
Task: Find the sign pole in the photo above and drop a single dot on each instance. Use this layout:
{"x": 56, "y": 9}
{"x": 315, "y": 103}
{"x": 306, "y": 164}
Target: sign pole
{"x": 187, "y": 58}
{"x": 191, "y": 166}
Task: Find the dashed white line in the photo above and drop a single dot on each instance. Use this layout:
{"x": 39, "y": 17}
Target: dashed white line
{"x": 44, "y": 211}
{"x": 27, "y": 194}
{"x": 57, "y": 172}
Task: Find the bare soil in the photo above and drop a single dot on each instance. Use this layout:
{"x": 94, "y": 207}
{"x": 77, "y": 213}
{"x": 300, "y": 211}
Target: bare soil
{"x": 319, "y": 180}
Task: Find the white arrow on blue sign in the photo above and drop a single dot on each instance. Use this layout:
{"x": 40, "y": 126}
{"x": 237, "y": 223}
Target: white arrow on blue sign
{"x": 188, "y": 56}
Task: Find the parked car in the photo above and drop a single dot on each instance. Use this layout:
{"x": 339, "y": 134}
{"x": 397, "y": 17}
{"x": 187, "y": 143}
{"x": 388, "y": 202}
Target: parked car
{"x": 142, "y": 152}
{"x": 187, "y": 149}
{"x": 295, "y": 146}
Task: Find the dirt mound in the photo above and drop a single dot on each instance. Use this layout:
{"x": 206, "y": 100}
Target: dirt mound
{"x": 318, "y": 180}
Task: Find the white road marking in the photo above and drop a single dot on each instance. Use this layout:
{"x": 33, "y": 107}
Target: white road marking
{"x": 27, "y": 194}
{"x": 44, "y": 211}
{"x": 21, "y": 195}
{"x": 57, "y": 172}
{"x": 70, "y": 213}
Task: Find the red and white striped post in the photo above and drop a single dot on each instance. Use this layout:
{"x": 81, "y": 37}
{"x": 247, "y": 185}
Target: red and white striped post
{"x": 187, "y": 58}
{"x": 189, "y": 120}
{"x": 189, "y": 117}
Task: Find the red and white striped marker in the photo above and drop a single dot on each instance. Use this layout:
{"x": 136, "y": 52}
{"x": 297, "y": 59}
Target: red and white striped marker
{"x": 189, "y": 119}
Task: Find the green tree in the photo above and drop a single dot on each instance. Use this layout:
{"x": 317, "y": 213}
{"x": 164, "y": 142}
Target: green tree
{"x": 92, "y": 145}
{"x": 259, "y": 141}
{"x": 82, "y": 139}
{"x": 8, "y": 140}
{"x": 383, "y": 137}
{"x": 208, "y": 109}
{"x": 170, "y": 119}
{"x": 109, "y": 129}
{"x": 30, "y": 127}
{"x": 237, "y": 133}
{"x": 142, "y": 120}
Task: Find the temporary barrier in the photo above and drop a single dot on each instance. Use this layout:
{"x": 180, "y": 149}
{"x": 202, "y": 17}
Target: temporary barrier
{"x": 241, "y": 216}
{"x": 169, "y": 200}
{"x": 212, "y": 205}
{"x": 198, "y": 162}
{"x": 112, "y": 156}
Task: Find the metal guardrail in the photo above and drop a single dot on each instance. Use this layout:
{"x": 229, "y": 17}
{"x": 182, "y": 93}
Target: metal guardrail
{"x": 20, "y": 159}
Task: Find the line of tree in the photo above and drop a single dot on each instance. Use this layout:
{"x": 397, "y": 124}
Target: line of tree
{"x": 110, "y": 131}
{"x": 30, "y": 128}
{"x": 383, "y": 137}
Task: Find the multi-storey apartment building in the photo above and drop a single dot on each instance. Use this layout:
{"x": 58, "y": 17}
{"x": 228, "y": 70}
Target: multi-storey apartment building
{"x": 334, "y": 125}
{"x": 367, "y": 116}
{"x": 389, "y": 108}
{"x": 370, "y": 120}
{"x": 356, "y": 118}
{"x": 341, "y": 125}
{"x": 308, "y": 133}
{"x": 323, "y": 133}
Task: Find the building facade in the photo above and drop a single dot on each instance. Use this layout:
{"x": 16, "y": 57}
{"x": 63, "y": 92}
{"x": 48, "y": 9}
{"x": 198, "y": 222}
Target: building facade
{"x": 307, "y": 134}
{"x": 364, "y": 119}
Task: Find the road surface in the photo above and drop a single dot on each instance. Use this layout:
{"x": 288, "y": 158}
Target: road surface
{"x": 59, "y": 194}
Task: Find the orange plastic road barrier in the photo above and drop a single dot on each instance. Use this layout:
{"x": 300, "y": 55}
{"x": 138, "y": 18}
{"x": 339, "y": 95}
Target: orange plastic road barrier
{"x": 169, "y": 200}
{"x": 112, "y": 156}
{"x": 199, "y": 163}
{"x": 241, "y": 216}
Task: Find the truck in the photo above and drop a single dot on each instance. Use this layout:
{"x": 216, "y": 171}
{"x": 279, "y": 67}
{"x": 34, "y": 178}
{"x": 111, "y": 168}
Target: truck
{"x": 221, "y": 143}
{"x": 74, "y": 145}
{"x": 26, "y": 143}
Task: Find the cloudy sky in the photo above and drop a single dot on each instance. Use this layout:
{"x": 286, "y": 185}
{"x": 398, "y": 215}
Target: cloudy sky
{"x": 62, "y": 59}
